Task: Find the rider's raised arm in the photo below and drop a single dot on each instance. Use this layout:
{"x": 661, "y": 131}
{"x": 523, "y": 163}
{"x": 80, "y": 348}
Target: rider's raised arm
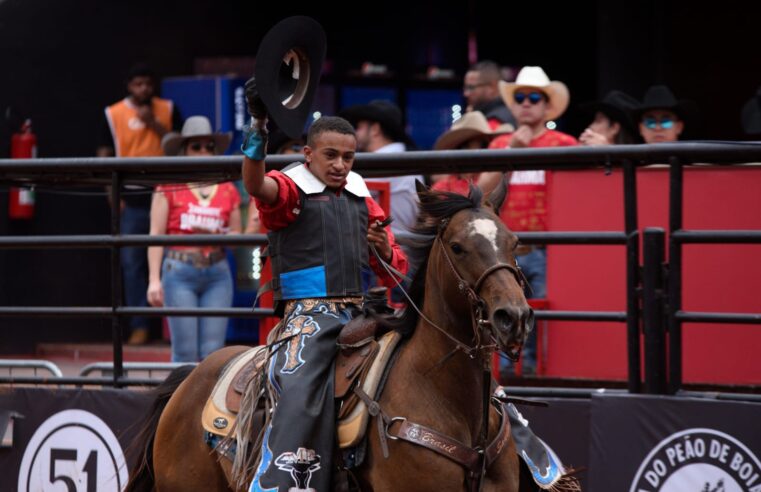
{"x": 254, "y": 148}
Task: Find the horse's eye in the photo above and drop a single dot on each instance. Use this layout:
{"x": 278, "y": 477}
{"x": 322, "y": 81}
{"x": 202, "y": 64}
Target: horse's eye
{"x": 457, "y": 249}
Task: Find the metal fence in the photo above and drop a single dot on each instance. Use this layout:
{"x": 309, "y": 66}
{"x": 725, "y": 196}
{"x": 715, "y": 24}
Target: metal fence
{"x": 656, "y": 307}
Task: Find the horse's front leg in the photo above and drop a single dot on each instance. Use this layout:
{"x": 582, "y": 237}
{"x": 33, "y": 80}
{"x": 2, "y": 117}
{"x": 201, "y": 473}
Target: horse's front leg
{"x": 503, "y": 474}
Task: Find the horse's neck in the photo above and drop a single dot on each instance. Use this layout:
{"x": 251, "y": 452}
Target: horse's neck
{"x": 430, "y": 358}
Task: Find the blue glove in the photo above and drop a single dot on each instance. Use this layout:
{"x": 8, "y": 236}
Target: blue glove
{"x": 254, "y": 144}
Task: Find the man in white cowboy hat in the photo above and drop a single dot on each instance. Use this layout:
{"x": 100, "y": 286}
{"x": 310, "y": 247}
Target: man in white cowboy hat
{"x": 534, "y": 100}
{"x": 471, "y": 132}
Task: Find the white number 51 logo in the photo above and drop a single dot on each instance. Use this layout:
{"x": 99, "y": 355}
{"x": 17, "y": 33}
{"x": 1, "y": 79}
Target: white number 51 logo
{"x": 73, "y": 451}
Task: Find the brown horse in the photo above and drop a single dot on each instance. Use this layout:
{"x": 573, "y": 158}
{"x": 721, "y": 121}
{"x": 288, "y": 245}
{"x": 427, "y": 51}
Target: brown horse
{"x": 471, "y": 300}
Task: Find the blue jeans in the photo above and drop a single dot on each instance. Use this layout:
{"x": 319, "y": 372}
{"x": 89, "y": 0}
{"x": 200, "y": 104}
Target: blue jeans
{"x": 193, "y": 338}
{"x": 534, "y": 267}
{"x": 135, "y": 220}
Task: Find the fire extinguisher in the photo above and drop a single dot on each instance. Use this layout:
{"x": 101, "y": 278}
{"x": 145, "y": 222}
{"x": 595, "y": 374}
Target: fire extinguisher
{"x": 23, "y": 146}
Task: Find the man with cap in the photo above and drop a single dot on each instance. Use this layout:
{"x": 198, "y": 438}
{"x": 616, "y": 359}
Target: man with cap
{"x": 661, "y": 117}
{"x": 481, "y": 91}
{"x": 534, "y": 100}
{"x": 612, "y": 123}
{"x": 324, "y": 231}
{"x": 380, "y": 129}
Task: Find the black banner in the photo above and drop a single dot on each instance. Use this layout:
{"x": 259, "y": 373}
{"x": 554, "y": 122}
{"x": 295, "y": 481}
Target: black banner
{"x": 69, "y": 439}
{"x": 670, "y": 444}
{"x": 76, "y": 439}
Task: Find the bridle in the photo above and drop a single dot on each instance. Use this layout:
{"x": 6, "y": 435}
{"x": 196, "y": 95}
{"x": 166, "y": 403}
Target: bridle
{"x": 479, "y": 319}
{"x": 476, "y": 459}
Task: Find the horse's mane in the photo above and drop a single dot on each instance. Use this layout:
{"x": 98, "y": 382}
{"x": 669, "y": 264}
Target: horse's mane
{"x": 434, "y": 208}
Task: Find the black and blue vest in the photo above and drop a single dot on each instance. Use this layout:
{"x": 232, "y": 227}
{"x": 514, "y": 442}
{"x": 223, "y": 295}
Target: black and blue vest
{"x": 324, "y": 251}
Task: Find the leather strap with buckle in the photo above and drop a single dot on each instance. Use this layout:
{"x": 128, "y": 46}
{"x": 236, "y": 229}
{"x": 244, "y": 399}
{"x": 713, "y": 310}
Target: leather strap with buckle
{"x": 198, "y": 260}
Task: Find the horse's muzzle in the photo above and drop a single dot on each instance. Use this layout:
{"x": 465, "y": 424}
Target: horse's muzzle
{"x": 511, "y": 326}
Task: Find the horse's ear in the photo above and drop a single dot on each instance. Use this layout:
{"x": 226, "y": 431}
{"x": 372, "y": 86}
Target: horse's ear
{"x": 420, "y": 187}
{"x": 497, "y": 197}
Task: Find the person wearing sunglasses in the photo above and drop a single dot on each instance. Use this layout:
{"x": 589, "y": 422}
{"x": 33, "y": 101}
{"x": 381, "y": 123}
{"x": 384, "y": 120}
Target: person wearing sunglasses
{"x": 193, "y": 276}
{"x": 661, "y": 116}
{"x": 534, "y": 101}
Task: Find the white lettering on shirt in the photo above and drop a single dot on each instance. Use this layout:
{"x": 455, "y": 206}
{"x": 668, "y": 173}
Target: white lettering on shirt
{"x": 527, "y": 177}
{"x": 203, "y": 218}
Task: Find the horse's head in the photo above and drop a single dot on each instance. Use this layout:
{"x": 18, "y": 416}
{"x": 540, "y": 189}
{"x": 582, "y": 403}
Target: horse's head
{"x": 473, "y": 254}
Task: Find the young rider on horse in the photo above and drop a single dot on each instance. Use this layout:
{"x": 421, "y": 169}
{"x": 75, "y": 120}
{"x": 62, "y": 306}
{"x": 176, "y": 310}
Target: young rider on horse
{"x": 322, "y": 222}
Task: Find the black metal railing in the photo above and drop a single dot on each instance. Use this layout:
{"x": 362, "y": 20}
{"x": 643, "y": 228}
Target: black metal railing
{"x": 117, "y": 172}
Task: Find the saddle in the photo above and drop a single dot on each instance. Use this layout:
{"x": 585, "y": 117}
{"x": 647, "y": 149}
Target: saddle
{"x": 361, "y": 362}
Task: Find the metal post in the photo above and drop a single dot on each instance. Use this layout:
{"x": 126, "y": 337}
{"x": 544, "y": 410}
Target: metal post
{"x": 676, "y": 204}
{"x": 632, "y": 276}
{"x": 116, "y": 277}
{"x": 653, "y": 314}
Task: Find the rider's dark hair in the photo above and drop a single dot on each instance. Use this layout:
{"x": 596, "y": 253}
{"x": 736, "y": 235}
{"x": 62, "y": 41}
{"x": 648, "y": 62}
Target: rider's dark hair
{"x": 325, "y": 124}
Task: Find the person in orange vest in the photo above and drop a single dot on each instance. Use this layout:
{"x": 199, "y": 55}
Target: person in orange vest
{"x": 134, "y": 127}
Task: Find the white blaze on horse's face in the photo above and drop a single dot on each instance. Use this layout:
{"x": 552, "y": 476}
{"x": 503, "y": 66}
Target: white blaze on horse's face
{"x": 486, "y": 228}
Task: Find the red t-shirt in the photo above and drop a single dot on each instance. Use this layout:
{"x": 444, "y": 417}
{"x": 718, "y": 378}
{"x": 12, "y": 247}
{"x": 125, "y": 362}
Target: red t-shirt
{"x": 526, "y": 207}
{"x": 190, "y": 214}
{"x": 286, "y": 208}
{"x": 455, "y": 183}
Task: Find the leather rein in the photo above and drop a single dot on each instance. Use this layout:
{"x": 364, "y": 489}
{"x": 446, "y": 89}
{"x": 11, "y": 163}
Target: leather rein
{"x": 476, "y": 459}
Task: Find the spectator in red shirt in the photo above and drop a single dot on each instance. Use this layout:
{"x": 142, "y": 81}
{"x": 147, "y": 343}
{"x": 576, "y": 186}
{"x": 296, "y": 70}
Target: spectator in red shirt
{"x": 470, "y": 132}
{"x": 324, "y": 230}
{"x": 535, "y": 101}
{"x": 193, "y": 276}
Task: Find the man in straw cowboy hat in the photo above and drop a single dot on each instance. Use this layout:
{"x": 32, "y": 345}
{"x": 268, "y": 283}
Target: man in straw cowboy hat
{"x": 534, "y": 100}
{"x": 470, "y": 132}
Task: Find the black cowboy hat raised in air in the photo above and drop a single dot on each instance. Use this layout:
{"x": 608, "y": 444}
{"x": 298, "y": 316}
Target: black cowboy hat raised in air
{"x": 288, "y": 66}
{"x": 386, "y": 113}
{"x": 661, "y": 97}
{"x": 616, "y": 105}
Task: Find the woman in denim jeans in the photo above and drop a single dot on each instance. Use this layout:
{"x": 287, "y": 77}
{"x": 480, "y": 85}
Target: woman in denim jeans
{"x": 193, "y": 276}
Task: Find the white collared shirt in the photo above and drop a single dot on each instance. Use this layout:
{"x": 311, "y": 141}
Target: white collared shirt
{"x": 404, "y": 201}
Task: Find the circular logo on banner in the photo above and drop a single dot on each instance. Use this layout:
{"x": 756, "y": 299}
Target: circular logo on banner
{"x": 699, "y": 460}
{"x": 73, "y": 451}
